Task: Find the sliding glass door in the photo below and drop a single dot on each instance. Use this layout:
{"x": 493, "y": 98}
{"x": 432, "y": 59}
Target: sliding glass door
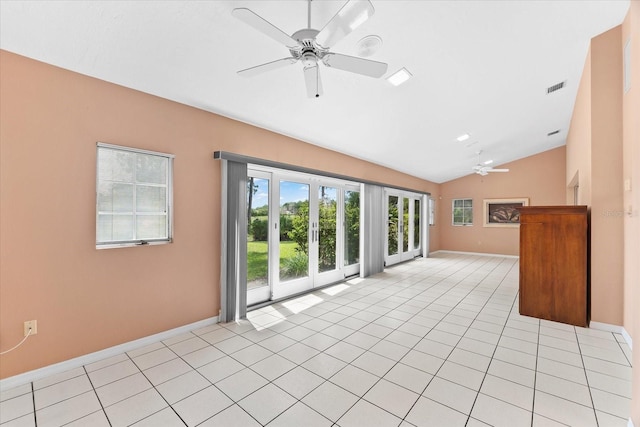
{"x": 404, "y": 226}
{"x": 305, "y": 236}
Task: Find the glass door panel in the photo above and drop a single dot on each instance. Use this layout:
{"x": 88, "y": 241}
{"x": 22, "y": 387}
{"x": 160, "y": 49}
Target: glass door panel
{"x": 393, "y": 227}
{"x": 351, "y": 232}
{"x": 258, "y": 283}
{"x": 258, "y": 233}
{"x": 294, "y": 230}
{"x": 351, "y": 227}
{"x": 404, "y": 225}
{"x": 327, "y": 228}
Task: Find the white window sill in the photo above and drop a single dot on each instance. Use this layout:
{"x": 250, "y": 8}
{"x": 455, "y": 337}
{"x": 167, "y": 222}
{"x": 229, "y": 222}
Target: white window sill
{"x": 132, "y": 244}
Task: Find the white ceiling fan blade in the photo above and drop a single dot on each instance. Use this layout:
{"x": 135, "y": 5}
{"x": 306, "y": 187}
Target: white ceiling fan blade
{"x": 259, "y": 69}
{"x": 497, "y": 170}
{"x": 312, "y": 81}
{"x": 350, "y": 17}
{"x": 354, "y": 64}
{"x": 264, "y": 26}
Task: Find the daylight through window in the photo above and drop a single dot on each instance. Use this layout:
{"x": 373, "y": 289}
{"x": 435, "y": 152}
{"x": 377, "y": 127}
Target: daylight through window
{"x": 134, "y": 195}
{"x": 462, "y": 211}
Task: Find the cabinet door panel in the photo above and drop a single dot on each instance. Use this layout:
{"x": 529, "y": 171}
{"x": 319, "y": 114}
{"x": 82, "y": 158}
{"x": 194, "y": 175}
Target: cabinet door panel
{"x": 554, "y": 264}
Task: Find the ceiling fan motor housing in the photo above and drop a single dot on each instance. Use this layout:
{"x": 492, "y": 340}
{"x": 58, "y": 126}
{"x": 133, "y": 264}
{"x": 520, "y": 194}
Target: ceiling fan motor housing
{"x": 309, "y": 52}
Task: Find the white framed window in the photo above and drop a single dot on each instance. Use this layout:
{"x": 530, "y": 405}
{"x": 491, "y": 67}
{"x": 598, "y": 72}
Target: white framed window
{"x": 462, "y": 212}
{"x": 133, "y": 196}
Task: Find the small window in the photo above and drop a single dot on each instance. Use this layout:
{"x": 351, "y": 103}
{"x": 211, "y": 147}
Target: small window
{"x": 432, "y": 211}
{"x": 462, "y": 212}
{"x": 133, "y": 196}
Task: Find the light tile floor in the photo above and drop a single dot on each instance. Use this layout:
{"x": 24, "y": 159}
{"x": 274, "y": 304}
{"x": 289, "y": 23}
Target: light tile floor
{"x": 433, "y": 342}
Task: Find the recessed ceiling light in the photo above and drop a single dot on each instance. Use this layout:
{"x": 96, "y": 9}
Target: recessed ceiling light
{"x": 463, "y": 137}
{"x": 399, "y": 77}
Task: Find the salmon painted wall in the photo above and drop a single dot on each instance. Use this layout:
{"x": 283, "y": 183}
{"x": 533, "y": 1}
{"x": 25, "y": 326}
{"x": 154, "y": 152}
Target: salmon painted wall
{"x": 631, "y": 203}
{"x": 603, "y": 148}
{"x": 578, "y": 170}
{"x": 607, "y": 234}
{"x": 541, "y": 178}
{"x": 85, "y": 299}
{"x": 594, "y": 154}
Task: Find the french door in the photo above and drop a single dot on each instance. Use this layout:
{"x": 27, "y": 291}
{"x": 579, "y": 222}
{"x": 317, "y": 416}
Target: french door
{"x": 405, "y": 222}
{"x": 303, "y": 233}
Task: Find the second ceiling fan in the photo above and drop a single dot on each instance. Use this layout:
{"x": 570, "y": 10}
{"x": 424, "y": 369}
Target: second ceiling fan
{"x": 311, "y": 46}
{"x": 484, "y": 168}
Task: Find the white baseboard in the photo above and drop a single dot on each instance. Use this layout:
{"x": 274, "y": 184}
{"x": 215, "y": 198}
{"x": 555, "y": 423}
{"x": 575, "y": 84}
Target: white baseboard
{"x": 627, "y": 338}
{"x": 472, "y": 253}
{"x": 77, "y": 362}
{"x": 612, "y": 328}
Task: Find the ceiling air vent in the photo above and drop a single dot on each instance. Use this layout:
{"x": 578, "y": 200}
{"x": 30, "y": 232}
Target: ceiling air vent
{"x": 554, "y": 132}
{"x": 555, "y": 87}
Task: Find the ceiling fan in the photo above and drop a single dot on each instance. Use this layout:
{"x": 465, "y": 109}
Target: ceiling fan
{"x": 484, "y": 168}
{"x": 311, "y": 46}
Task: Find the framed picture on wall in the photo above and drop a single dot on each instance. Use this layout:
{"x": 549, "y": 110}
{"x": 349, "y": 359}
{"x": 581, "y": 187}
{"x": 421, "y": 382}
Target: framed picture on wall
{"x": 503, "y": 212}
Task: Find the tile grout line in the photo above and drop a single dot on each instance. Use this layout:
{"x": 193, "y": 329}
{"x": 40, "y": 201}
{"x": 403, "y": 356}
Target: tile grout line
{"x": 95, "y": 392}
{"x": 141, "y": 371}
{"x": 33, "y": 402}
{"x": 593, "y": 406}
{"x": 535, "y": 374}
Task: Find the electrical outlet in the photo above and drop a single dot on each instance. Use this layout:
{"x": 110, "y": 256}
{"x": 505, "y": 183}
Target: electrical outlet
{"x": 30, "y": 324}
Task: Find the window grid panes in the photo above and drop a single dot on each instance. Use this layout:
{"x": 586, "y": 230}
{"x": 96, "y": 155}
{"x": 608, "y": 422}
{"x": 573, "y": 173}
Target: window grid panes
{"x": 133, "y": 196}
{"x": 462, "y": 212}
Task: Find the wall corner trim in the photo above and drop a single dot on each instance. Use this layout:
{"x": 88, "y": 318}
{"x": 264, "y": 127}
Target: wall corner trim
{"x": 79, "y": 361}
{"x": 612, "y": 328}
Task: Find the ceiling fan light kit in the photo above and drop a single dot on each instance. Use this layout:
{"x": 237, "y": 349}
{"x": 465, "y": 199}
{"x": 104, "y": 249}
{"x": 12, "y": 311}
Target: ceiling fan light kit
{"x": 311, "y": 46}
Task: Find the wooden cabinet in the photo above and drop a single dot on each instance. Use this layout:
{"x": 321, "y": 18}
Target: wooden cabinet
{"x": 554, "y": 263}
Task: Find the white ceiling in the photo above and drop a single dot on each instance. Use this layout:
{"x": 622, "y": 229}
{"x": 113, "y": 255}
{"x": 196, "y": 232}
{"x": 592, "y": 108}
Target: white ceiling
{"x": 479, "y": 67}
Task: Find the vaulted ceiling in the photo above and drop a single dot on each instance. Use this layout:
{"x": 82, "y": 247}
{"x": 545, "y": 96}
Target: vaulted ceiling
{"x": 479, "y": 67}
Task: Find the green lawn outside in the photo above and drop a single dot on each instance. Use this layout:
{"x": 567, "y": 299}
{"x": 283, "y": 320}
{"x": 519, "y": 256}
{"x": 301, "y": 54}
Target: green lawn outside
{"x": 257, "y": 258}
